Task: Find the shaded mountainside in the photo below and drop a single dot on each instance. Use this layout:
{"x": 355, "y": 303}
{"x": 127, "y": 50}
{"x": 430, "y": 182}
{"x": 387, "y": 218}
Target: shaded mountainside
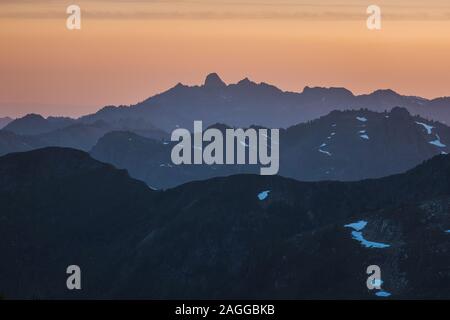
{"x": 33, "y": 124}
{"x": 248, "y": 103}
{"x": 75, "y": 135}
{"x": 4, "y": 121}
{"x": 60, "y": 206}
{"x": 11, "y": 142}
{"x": 344, "y": 145}
{"x": 220, "y": 238}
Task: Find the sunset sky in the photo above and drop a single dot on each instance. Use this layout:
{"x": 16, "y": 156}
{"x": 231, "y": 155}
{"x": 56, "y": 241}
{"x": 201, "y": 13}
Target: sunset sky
{"x": 129, "y": 50}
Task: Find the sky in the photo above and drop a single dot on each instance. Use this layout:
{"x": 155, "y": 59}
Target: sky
{"x": 128, "y": 50}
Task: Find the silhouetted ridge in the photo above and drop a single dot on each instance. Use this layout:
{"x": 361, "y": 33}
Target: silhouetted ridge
{"x": 53, "y": 156}
{"x": 385, "y": 93}
{"x": 33, "y": 124}
{"x": 316, "y": 91}
{"x": 198, "y": 238}
{"x": 213, "y": 81}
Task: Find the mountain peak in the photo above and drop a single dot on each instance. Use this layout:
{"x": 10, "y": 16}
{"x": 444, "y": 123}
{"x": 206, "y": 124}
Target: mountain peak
{"x": 385, "y": 92}
{"x": 33, "y": 116}
{"x": 213, "y": 81}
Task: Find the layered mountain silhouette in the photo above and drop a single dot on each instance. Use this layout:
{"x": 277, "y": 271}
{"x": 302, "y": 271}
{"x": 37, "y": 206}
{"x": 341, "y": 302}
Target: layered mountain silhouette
{"x": 248, "y": 103}
{"x": 33, "y": 124}
{"x": 344, "y": 145}
{"x": 241, "y": 104}
{"x": 245, "y": 236}
{"x": 11, "y": 142}
{"x": 4, "y": 121}
{"x": 39, "y": 132}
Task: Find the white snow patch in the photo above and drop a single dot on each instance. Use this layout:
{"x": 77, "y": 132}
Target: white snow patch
{"x": 426, "y": 126}
{"x": 365, "y": 136}
{"x": 438, "y": 142}
{"x": 325, "y": 152}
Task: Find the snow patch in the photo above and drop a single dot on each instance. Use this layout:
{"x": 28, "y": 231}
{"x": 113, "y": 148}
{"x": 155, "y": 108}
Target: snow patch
{"x": 383, "y": 294}
{"x": 426, "y": 126}
{"x": 325, "y": 152}
{"x": 358, "y": 226}
{"x": 364, "y": 136}
{"x": 358, "y": 236}
{"x": 263, "y": 195}
{"x": 438, "y": 142}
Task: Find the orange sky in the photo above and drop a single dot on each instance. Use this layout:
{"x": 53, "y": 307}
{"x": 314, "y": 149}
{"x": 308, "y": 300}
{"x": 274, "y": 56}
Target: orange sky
{"x": 129, "y": 50}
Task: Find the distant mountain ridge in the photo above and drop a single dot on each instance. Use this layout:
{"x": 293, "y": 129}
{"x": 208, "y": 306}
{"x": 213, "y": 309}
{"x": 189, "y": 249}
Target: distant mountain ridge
{"x": 218, "y": 239}
{"x": 33, "y": 124}
{"x": 344, "y": 145}
{"x": 34, "y": 131}
{"x": 248, "y": 103}
{"x": 242, "y": 104}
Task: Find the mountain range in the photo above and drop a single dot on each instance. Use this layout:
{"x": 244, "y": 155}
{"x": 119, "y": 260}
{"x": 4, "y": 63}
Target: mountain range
{"x": 248, "y": 103}
{"x": 241, "y": 104}
{"x": 34, "y": 131}
{"x": 243, "y": 236}
{"x": 344, "y": 145}
{"x": 364, "y": 180}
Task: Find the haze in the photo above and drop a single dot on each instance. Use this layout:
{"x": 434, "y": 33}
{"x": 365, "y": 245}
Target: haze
{"x": 127, "y": 51}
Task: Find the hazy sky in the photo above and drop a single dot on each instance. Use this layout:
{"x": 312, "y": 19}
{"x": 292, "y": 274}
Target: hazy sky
{"x": 129, "y": 50}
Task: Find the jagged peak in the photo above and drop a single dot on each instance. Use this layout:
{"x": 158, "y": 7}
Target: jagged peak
{"x": 245, "y": 81}
{"x": 213, "y": 81}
